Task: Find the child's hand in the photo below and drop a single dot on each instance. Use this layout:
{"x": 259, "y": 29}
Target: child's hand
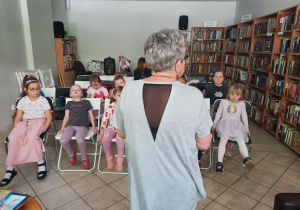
{"x": 248, "y": 133}
{"x": 213, "y": 129}
{"x": 95, "y": 130}
{"x": 100, "y": 136}
{"x": 60, "y": 131}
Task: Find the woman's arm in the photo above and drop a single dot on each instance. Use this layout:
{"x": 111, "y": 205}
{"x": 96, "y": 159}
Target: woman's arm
{"x": 65, "y": 121}
{"x": 49, "y": 119}
{"x": 202, "y": 143}
{"x": 18, "y": 117}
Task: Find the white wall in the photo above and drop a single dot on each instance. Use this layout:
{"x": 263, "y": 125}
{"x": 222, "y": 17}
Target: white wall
{"x": 260, "y": 8}
{"x": 12, "y": 56}
{"x": 59, "y": 12}
{"x": 113, "y": 28}
{"x": 42, "y": 35}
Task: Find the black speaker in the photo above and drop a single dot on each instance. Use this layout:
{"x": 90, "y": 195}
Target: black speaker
{"x": 183, "y": 22}
{"x": 59, "y": 30}
{"x": 109, "y": 66}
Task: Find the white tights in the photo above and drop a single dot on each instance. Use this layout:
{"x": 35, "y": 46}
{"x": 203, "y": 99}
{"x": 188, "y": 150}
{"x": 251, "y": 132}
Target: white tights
{"x": 222, "y": 146}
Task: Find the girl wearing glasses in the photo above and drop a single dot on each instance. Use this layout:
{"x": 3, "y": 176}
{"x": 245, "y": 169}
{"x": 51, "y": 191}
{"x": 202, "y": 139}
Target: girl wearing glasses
{"x": 32, "y": 119}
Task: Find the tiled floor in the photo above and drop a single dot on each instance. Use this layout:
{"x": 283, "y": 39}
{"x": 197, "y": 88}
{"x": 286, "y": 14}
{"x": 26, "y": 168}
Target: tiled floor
{"x": 277, "y": 170}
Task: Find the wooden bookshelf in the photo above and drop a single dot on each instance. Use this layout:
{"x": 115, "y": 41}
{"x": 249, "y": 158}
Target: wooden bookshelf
{"x": 270, "y": 57}
{"x": 188, "y": 37}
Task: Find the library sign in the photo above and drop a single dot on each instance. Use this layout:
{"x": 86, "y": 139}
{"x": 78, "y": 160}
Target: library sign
{"x": 210, "y": 23}
{"x": 246, "y": 18}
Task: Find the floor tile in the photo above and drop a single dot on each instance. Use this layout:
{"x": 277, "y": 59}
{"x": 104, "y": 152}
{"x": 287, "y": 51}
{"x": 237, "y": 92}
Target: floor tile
{"x": 268, "y": 199}
{"x": 24, "y": 188}
{"x": 212, "y": 188}
{"x": 102, "y": 198}
{"x": 2, "y": 151}
{"x": 235, "y": 200}
{"x": 215, "y": 206}
{"x": 61, "y": 195}
{"x": 121, "y": 205}
{"x": 31, "y": 173}
{"x": 108, "y": 178}
{"x": 234, "y": 167}
{"x": 121, "y": 186}
{"x": 203, "y": 204}
{"x": 87, "y": 184}
{"x": 40, "y": 202}
{"x": 50, "y": 182}
{"x": 251, "y": 189}
{"x": 296, "y": 165}
{"x": 261, "y": 206}
{"x": 16, "y": 181}
{"x": 285, "y": 186}
{"x": 279, "y": 159}
{"x": 76, "y": 204}
{"x": 256, "y": 156}
{"x": 227, "y": 178}
{"x": 291, "y": 155}
{"x": 70, "y": 176}
{"x": 292, "y": 175}
{"x": 262, "y": 177}
{"x": 271, "y": 168}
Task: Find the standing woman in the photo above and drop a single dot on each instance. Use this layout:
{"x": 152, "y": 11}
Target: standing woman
{"x": 165, "y": 123}
{"x": 141, "y": 72}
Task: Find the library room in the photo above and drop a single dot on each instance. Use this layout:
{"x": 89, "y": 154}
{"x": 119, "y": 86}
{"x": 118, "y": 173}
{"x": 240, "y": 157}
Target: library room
{"x": 143, "y": 105}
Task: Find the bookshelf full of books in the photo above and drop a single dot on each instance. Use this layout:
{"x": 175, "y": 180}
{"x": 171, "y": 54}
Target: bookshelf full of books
{"x": 263, "y": 55}
{"x": 206, "y": 50}
{"x": 188, "y": 37}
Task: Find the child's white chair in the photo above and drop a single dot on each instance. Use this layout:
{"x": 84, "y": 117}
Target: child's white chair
{"x": 83, "y": 84}
{"x": 50, "y": 93}
{"x": 95, "y": 102}
{"x": 107, "y": 102}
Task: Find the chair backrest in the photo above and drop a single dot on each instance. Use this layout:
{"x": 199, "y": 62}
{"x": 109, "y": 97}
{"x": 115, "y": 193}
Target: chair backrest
{"x": 51, "y": 93}
{"x": 111, "y": 78}
{"x": 84, "y": 77}
{"x": 96, "y": 104}
{"x": 83, "y": 84}
{"x": 207, "y": 103}
{"x": 62, "y": 92}
{"x": 247, "y": 103}
{"x": 79, "y": 68}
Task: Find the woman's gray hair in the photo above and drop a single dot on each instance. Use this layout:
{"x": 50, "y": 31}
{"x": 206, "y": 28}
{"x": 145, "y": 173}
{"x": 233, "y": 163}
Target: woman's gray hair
{"x": 163, "y": 49}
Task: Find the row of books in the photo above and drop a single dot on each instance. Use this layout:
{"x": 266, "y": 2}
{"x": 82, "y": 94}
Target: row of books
{"x": 231, "y": 33}
{"x": 207, "y": 58}
{"x": 243, "y": 46}
{"x": 260, "y": 63}
{"x": 258, "y": 79}
{"x": 207, "y": 46}
{"x": 282, "y": 44}
{"x": 245, "y": 31}
{"x": 265, "y": 27}
{"x": 187, "y": 36}
{"x": 256, "y": 113}
{"x": 207, "y": 34}
{"x": 290, "y": 134}
{"x": 229, "y": 71}
{"x": 230, "y": 46}
{"x": 228, "y": 59}
{"x": 256, "y": 96}
{"x": 275, "y": 85}
{"x": 212, "y": 69}
{"x": 69, "y": 47}
{"x": 197, "y": 69}
{"x": 273, "y": 103}
{"x": 290, "y": 112}
{"x": 280, "y": 64}
{"x": 294, "y": 69}
{"x": 296, "y": 45}
{"x": 286, "y": 21}
{"x": 69, "y": 61}
{"x": 187, "y": 69}
{"x": 292, "y": 90}
{"x": 271, "y": 122}
{"x": 240, "y": 74}
{"x": 188, "y": 47}
{"x": 262, "y": 46}
{"x": 228, "y": 82}
{"x": 241, "y": 61}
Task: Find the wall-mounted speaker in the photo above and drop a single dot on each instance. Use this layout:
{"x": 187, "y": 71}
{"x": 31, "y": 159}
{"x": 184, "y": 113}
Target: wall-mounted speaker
{"x": 59, "y": 30}
{"x": 109, "y": 66}
{"x": 183, "y": 22}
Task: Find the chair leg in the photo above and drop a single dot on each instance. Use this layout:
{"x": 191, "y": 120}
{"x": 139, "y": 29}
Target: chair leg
{"x": 212, "y": 157}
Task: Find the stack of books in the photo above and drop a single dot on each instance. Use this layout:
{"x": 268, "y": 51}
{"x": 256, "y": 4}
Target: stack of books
{"x": 212, "y": 69}
{"x": 290, "y": 134}
{"x": 241, "y": 61}
{"x": 275, "y": 85}
{"x": 292, "y": 90}
{"x": 228, "y": 59}
{"x": 69, "y": 61}
{"x": 273, "y": 103}
{"x": 296, "y": 45}
{"x": 228, "y": 82}
{"x": 262, "y": 46}
{"x": 206, "y": 58}
{"x": 280, "y": 65}
{"x": 197, "y": 69}
{"x": 290, "y": 112}
{"x": 258, "y": 79}
{"x": 229, "y": 71}
{"x": 69, "y": 47}
{"x": 207, "y": 34}
{"x": 231, "y": 33}
{"x": 265, "y": 27}
{"x": 230, "y": 46}
{"x": 294, "y": 69}
{"x": 286, "y": 21}
{"x": 271, "y": 122}
{"x": 260, "y": 63}
{"x": 243, "y": 46}
{"x": 256, "y": 113}
{"x": 245, "y": 32}
{"x": 240, "y": 74}
{"x": 282, "y": 44}
{"x": 207, "y": 46}
{"x": 256, "y": 96}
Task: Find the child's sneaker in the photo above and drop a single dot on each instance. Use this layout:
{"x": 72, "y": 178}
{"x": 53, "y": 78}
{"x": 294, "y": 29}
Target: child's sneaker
{"x": 219, "y": 168}
{"x": 110, "y": 161}
{"x": 119, "y": 164}
{"x": 85, "y": 164}
{"x": 73, "y": 159}
{"x": 248, "y": 163}
{"x": 228, "y": 150}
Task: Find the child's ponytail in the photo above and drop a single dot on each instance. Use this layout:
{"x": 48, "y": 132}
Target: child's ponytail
{"x": 26, "y": 81}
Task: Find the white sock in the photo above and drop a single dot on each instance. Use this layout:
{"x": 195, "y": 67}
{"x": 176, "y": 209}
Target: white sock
{"x": 41, "y": 168}
{"x": 8, "y": 175}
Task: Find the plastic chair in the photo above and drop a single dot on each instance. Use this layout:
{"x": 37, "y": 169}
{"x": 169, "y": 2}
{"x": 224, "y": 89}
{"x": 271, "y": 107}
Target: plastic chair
{"x": 107, "y": 102}
{"x": 95, "y": 102}
{"x": 83, "y": 84}
{"x": 43, "y": 136}
{"x": 217, "y": 139}
{"x": 80, "y": 70}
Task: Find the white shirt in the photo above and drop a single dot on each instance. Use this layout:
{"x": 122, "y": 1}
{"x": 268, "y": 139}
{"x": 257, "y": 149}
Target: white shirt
{"x": 100, "y": 93}
{"x": 33, "y": 109}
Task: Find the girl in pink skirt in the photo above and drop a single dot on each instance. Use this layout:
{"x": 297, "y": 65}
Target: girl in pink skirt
{"x": 108, "y": 132}
{"x": 32, "y": 119}
{"x": 231, "y": 122}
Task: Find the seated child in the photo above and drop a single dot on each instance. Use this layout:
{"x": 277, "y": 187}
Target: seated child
{"x": 118, "y": 82}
